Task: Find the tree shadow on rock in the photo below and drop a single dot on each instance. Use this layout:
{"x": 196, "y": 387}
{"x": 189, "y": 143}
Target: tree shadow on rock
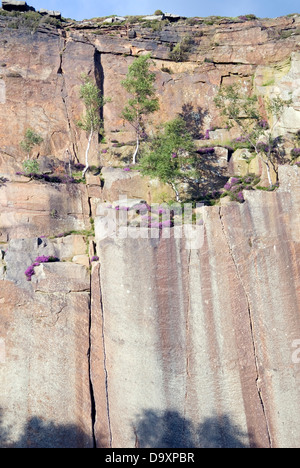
{"x": 194, "y": 119}
{"x": 40, "y": 434}
{"x": 221, "y": 432}
{"x": 169, "y": 429}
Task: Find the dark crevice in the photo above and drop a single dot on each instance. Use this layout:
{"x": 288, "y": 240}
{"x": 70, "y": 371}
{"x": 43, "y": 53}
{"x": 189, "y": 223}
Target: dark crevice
{"x": 92, "y": 395}
{"x": 99, "y": 77}
{"x": 252, "y": 332}
{"x": 105, "y": 363}
{"x": 64, "y": 95}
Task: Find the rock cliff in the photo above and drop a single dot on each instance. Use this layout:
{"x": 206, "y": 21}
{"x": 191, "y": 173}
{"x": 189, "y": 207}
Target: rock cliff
{"x": 143, "y": 342}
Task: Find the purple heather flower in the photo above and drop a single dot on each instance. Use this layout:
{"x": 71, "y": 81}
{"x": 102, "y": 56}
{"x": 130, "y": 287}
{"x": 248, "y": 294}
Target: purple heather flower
{"x": 240, "y": 197}
{"x": 167, "y": 223}
{"x": 207, "y": 136}
{"x": 263, "y": 123}
{"x": 234, "y": 181}
{"x": 154, "y": 225}
{"x": 43, "y": 259}
{"x": 117, "y": 208}
{"x": 95, "y": 258}
{"x": 127, "y": 169}
{"x": 161, "y": 211}
{"x": 142, "y": 207}
{"x": 174, "y": 155}
{"x": 295, "y": 152}
{"x": 104, "y": 151}
{"x": 227, "y": 186}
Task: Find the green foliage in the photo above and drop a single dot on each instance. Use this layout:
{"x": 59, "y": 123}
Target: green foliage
{"x": 171, "y": 155}
{"x": 31, "y": 140}
{"x": 237, "y": 107}
{"x": 242, "y": 110}
{"x": 31, "y": 166}
{"x": 90, "y": 121}
{"x": 93, "y": 101}
{"x": 180, "y": 53}
{"x": 29, "y": 19}
{"x": 139, "y": 83}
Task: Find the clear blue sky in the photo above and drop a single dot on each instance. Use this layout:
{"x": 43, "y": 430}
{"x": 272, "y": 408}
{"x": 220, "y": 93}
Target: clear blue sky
{"x": 81, "y": 9}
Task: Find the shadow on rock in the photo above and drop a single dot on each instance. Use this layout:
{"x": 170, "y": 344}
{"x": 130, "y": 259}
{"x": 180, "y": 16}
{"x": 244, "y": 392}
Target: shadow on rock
{"x": 170, "y": 430}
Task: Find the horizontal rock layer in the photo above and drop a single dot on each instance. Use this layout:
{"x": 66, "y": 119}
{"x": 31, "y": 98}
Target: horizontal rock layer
{"x": 165, "y": 342}
{"x": 40, "y": 77}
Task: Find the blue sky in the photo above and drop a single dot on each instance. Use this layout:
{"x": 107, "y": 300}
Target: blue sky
{"x": 81, "y": 9}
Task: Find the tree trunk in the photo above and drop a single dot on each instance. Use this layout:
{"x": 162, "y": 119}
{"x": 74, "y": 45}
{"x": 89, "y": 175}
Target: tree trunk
{"x": 176, "y": 192}
{"x": 268, "y": 172}
{"x": 87, "y": 154}
{"x": 136, "y": 149}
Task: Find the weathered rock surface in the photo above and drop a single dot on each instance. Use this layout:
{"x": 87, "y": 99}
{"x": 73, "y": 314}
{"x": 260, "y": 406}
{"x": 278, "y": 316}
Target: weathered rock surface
{"x": 14, "y": 5}
{"x": 202, "y": 345}
{"x": 162, "y": 342}
{"x": 36, "y": 209}
{"x": 40, "y": 76}
{"x": 45, "y": 392}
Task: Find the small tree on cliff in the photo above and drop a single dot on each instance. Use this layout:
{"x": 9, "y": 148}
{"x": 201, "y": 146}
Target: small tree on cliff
{"x": 243, "y": 111}
{"x": 31, "y": 139}
{"x": 171, "y": 156}
{"x": 139, "y": 83}
{"x": 90, "y": 122}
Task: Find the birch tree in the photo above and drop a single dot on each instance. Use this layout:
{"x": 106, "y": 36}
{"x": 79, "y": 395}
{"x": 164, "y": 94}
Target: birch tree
{"x": 139, "y": 83}
{"x": 90, "y": 121}
{"x": 242, "y": 110}
{"x": 171, "y": 156}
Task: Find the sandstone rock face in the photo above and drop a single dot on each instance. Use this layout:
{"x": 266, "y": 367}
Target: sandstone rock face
{"x": 118, "y": 183}
{"x": 202, "y": 345}
{"x": 166, "y": 342}
{"x": 36, "y": 209}
{"x": 44, "y": 368}
{"x": 40, "y": 77}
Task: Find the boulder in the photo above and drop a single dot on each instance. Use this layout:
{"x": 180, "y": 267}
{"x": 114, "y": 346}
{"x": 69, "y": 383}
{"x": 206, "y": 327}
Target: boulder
{"x": 115, "y": 19}
{"x": 153, "y": 18}
{"x": 51, "y": 13}
{"x": 240, "y": 165}
{"x": 173, "y": 18}
{"x": 14, "y": 5}
{"x": 63, "y": 277}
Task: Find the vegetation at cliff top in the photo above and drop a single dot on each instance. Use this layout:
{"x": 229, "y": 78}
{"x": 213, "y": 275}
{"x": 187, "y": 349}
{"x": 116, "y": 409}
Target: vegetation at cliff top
{"x": 29, "y": 19}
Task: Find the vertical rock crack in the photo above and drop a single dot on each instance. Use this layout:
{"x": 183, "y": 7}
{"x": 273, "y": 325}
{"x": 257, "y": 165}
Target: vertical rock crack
{"x": 105, "y": 361}
{"x": 251, "y": 323}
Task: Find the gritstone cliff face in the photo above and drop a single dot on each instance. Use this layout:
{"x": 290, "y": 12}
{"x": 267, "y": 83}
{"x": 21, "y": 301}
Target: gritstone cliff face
{"x": 157, "y": 344}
